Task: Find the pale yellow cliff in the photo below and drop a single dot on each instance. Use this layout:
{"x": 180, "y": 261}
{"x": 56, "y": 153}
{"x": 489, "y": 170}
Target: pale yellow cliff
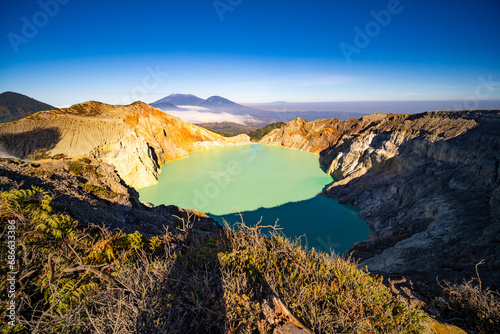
{"x": 136, "y": 139}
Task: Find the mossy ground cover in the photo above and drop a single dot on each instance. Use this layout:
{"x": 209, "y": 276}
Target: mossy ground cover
{"x": 82, "y": 165}
{"x": 75, "y": 280}
{"x": 98, "y": 191}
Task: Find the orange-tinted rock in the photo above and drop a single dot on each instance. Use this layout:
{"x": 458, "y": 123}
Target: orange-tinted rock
{"x": 136, "y": 139}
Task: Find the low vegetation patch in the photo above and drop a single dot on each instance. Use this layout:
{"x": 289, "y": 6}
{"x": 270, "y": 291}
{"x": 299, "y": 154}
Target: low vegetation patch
{"x": 85, "y": 160}
{"x": 93, "y": 280}
{"x": 43, "y": 154}
{"x": 227, "y": 129}
{"x": 82, "y": 165}
{"x": 75, "y": 167}
{"x": 260, "y": 133}
{"x": 98, "y": 191}
{"x": 39, "y": 154}
{"x": 40, "y": 172}
{"x": 326, "y": 293}
{"x": 476, "y": 307}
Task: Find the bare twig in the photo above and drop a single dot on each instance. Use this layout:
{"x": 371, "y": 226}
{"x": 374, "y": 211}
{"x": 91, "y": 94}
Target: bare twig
{"x": 25, "y": 253}
{"x": 27, "y": 275}
{"x": 477, "y": 274}
{"x": 93, "y": 270}
{"x": 76, "y": 254}
{"x": 51, "y": 268}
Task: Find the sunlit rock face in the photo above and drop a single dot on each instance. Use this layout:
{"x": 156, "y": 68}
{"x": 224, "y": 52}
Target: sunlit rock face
{"x": 312, "y": 136}
{"x": 136, "y": 139}
{"x": 427, "y": 184}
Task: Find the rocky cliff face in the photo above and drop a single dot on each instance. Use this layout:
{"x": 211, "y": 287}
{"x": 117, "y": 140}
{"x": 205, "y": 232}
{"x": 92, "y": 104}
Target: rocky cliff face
{"x": 136, "y": 139}
{"x": 312, "y": 136}
{"x": 427, "y": 184}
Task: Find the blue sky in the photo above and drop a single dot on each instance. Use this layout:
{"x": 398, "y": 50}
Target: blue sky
{"x": 250, "y": 51}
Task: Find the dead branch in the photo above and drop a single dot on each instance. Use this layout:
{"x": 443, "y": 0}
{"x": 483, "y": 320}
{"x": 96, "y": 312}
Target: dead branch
{"x": 477, "y": 274}
{"x": 93, "y": 270}
{"x": 393, "y": 283}
{"x": 25, "y": 276}
{"x": 281, "y": 308}
{"x": 51, "y": 268}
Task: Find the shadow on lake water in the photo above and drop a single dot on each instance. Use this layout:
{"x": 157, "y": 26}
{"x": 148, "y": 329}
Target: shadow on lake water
{"x": 324, "y": 223}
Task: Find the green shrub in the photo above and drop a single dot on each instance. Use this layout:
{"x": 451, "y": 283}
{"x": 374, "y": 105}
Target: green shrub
{"x": 201, "y": 214}
{"x": 61, "y": 269}
{"x": 58, "y": 156}
{"x": 39, "y": 154}
{"x": 260, "y": 133}
{"x": 83, "y": 165}
{"x": 98, "y": 191}
{"x": 43, "y": 154}
{"x": 75, "y": 167}
{"x": 40, "y": 172}
{"x": 85, "y": 160}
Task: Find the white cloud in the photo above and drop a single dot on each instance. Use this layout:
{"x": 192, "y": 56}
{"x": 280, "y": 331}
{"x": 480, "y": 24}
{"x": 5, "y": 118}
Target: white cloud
{"x": 196, "y": 117}
{"x": 194, "y": 108}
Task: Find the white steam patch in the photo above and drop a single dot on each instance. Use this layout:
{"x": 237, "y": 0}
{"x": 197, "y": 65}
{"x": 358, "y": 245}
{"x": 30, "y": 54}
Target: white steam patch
{"x": 194, "y": 108}
{"x": 196, "y": 117}
{"x": 5, "y": 154}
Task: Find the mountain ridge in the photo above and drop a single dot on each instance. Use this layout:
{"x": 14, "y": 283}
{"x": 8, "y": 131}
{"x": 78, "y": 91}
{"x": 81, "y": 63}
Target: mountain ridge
{"x": 218, "y": 104}
{"x": 180, "y": 100}
{"x": 14, "y": 106}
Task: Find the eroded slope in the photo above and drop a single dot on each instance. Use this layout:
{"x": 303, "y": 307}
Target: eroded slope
{"x": 136, "y": 139}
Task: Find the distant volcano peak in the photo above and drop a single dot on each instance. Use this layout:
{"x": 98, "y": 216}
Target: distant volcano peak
{"x": 180, "y": 100}
{"x": 213, "y": 101}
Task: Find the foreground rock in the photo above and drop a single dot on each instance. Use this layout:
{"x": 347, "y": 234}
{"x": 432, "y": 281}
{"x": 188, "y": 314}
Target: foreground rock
{"x": 91, "y": 192}
{"x": 427, "y": 184}
{"x": 435, "y": 327}
{"x": 136, "y": 139}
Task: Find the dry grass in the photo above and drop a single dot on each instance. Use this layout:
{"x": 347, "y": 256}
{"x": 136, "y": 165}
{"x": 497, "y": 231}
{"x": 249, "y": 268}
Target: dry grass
{"x": 236, "y": 281}
{"x": 472, "y": 305}
{"x": 326, "y": 293}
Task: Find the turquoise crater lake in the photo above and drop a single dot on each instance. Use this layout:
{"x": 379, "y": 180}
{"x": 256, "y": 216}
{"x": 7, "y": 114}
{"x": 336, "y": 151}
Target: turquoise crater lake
{"x": 261, "y": 182}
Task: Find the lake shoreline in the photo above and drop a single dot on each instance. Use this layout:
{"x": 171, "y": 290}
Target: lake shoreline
{"x": 261, "y": 181}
